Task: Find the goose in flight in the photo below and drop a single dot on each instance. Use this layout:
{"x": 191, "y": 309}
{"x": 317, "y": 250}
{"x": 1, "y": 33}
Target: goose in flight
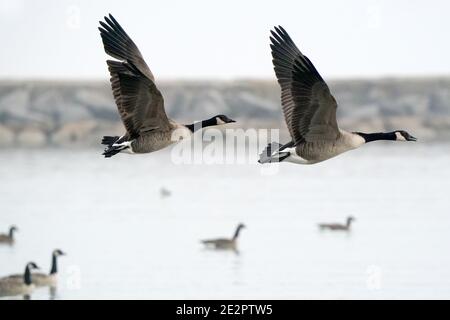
{"x": 309, "y": 110}
{"x": 140, "y": 103}
{"x": 337, "y": 226}
{"x": 223, "y": 243}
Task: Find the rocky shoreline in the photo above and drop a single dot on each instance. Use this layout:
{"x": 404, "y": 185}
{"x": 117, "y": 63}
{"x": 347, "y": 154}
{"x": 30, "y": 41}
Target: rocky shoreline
{"x": 44, "y": 113}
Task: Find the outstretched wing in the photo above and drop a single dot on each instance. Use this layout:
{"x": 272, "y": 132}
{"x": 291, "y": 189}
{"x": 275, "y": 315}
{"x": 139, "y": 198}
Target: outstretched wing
{"x": 140, "y": 103}
{"x": 308, "y": 105}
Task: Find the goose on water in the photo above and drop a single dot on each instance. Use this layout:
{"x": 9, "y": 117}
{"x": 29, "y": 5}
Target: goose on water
{"x": 140, "y": 103}
{"x": 42, "y": 279}
{"x": 223, "y": 243}
{"x": 9, "y": 237}
{"x": 337, "y": 226}
{"x": 165, "y": 193}
{"x": 310, "y": 111}
{"x": 23, "y": 285}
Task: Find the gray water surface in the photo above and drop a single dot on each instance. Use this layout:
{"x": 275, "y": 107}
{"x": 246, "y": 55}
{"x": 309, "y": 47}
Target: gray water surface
{"x": 124, "y": 241}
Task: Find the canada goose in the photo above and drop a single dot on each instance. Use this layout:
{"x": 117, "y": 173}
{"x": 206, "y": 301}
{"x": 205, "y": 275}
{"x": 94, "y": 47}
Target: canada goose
{"x": 165, "y": 192}
{"x": 338, "y": 226}
{"x": 42, "y": 279}
{"x": 140, "y": 103}
{"x": 8, "y": 238}
{"x": 18, "y": 285}
{"x": 225, "y": 243}
{"x": 310, "y": 111}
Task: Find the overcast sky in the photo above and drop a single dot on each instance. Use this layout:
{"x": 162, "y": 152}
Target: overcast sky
{"x": 193, "y": 39}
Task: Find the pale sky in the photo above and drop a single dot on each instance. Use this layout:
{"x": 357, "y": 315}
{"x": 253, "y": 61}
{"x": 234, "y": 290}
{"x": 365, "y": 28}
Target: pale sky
{"x": 193, "y": 39}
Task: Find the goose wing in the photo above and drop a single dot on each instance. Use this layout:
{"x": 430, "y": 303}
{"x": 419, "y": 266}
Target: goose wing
{"x": 309, "y": 107}
{"x": 140, "y": 103}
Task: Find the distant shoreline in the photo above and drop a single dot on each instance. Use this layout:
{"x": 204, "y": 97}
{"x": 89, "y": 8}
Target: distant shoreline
{"x": 37, "y": 113}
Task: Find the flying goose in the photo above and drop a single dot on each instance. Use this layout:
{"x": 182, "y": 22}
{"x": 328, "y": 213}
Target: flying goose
{"x": 225, "y": 243}
{"x": 337, "y": 226}
{"x": 42, "y": 279}
{"x": 310, "y": 111}
{"x": 14, "y": 286}
{"x": 8, "y": 238}
{"x": 140, "y": 103}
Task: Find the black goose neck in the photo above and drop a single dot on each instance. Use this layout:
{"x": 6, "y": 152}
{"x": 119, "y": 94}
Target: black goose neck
{"x": 54, "y": 268}
{"x": 236, "y": 233}
{"x": 202, "y": 124}
{"x": 11, "y": 233}
{"x": 27, "y": 276}
{"x": 369, "y": 137}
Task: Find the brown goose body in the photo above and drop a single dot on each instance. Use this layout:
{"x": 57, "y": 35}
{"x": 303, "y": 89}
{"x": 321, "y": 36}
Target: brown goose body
{"x": 9, "y": 237}
{"x": 139, "y": 101}
{"x": 224, "y": 243}
{"x": 337, "y": 226}
{"x": 20, "y": 284}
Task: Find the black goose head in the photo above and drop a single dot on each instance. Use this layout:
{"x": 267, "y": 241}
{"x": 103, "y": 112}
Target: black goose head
{"x": 402, "y": 135}
{"x": 350, "y": 219}
{"x": 214, "y": 121}
{"x": 57, "y": 253}
{"x": 398, "y": 135}
{"x": 222, "y": 119}
{"x": 12, "y": 229}
{"x": 32, "y": 266}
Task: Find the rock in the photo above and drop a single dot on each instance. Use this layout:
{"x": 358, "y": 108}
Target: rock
{"x": 6, "y": 137}
{"x": 73, "y": 133}
{"x": 31, "y": 137}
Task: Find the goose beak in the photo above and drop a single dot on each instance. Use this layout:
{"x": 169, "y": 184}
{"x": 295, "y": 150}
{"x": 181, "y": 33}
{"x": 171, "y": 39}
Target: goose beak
{"x": 411, "y": 138}
{"x": 231, "y": 121}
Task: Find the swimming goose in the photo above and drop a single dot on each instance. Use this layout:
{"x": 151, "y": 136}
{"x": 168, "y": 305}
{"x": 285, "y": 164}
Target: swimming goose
{"x": 310, "y": 111}
{"x": 225, "y": 243}
{"x": 165, "y": 192}
{"x": 337, "y": 226}
{"x": 22, "y": 285}
{"x": 140, "y": 103}
{"x": 42, "y": 279}
{"x": 8, "y": 238}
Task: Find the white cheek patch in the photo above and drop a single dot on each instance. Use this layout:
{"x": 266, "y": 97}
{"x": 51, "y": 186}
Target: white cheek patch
{"x": 220, "y": 121}
{"x": 400, "y": 137}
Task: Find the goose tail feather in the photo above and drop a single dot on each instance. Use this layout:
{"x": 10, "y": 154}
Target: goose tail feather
{"x": 109, "y": 141}
{"x": 113, "y": 150}
{"x": 272, "y": 153}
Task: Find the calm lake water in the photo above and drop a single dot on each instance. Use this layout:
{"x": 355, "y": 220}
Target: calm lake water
{"x": 124, "y": 241}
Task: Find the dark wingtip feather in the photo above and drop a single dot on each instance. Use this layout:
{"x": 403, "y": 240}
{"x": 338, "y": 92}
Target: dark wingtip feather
{"x": 274, "y": 42}
{"x": 113, "y": 19}
{"x": 277, "y": 29}
{"x": 109, "y": 21}
{"x": 281, "y": 28}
